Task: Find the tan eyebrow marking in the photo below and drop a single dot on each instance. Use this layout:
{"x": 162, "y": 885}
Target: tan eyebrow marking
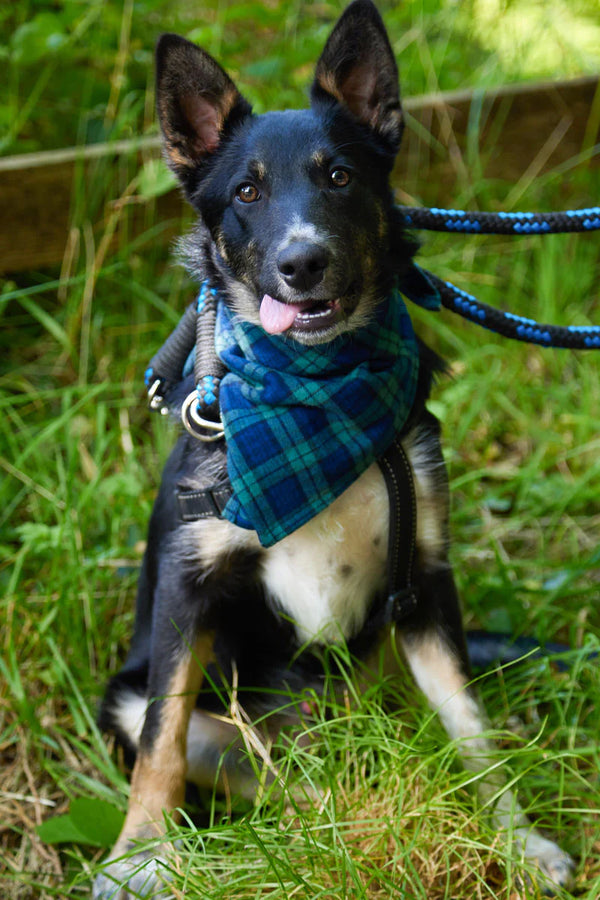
{"x": 258, "y": 169}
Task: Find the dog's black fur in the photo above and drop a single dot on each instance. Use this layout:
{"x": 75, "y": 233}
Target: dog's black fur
{"x": 295, "y": 205}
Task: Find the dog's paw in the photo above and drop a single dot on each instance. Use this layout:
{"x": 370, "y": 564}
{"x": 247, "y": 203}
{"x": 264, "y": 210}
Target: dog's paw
{"x": 554, "y": 866}
{"x": 126, "y": 877}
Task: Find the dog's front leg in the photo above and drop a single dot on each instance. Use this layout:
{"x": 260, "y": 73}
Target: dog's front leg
{"x": 158, "y": 780}
{"x": 437, "y": 658}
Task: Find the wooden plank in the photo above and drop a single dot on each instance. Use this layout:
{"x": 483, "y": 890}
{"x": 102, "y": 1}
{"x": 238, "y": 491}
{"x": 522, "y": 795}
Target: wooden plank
{"x": 513, "y": 133}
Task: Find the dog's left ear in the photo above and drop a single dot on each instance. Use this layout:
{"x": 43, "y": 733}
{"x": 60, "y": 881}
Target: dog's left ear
{"x": 357, "y": 69}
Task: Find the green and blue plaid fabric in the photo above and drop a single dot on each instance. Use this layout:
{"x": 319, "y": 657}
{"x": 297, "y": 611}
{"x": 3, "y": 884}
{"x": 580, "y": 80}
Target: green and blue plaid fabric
{"x": 302, "y": 423}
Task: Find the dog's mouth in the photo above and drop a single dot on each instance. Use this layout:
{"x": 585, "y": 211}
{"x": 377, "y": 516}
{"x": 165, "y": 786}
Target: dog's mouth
{"x": 307, "y": 317}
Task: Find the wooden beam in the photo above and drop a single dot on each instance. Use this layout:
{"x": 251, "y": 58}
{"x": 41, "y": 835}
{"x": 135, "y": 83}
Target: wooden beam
{"x": 512, "y": 133}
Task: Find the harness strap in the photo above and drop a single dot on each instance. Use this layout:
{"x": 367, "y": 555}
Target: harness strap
{"x": 402, "y": 541}
{"x": 204, "y": 504}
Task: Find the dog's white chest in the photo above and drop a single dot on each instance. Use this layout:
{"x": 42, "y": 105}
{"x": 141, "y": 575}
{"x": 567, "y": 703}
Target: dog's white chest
{"x": 324, "y": 575}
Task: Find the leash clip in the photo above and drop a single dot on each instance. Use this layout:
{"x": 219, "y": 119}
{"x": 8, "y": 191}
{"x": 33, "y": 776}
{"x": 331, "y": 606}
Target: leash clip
{"x": 156, "y": 400}
{"x": 199, "y": 427}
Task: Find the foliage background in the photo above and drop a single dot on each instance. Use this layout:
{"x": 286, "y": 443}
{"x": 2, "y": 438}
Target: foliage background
{"x": 78, "y": 71}
{"x": 81, "y": 460}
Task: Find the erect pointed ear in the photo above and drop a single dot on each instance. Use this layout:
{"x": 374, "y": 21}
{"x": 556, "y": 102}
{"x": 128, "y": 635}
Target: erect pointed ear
{"x": 357, "y": 68}
{"x": 197, "y": 104}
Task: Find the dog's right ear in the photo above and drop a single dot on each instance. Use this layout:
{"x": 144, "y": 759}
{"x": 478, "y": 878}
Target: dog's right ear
{"x": 197, "y": 104}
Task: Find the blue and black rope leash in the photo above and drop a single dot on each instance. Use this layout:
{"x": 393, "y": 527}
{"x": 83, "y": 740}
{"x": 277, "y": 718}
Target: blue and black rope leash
{"x": 510, "y": 325}
{"x": 517, "y": 223}
{"x": 458, "y": 221}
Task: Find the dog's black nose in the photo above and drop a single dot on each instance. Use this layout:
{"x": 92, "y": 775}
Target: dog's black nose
{"x": 302, "y": 264}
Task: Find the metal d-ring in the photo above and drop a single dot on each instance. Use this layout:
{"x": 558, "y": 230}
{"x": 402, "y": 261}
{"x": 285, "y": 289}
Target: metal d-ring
{"x": 193, "y": 422}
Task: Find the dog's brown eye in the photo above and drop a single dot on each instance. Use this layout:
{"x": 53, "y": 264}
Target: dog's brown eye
{"x": 247, "y": 193}
{"x": 340, "y": 177}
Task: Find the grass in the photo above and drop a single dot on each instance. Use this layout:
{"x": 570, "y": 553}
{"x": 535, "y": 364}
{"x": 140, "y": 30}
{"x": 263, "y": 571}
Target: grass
{"x": 81, "y": 459}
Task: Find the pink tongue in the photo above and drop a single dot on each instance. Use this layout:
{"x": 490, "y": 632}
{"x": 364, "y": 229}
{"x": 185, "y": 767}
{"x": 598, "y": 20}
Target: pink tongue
{"x": 276, "y": 317}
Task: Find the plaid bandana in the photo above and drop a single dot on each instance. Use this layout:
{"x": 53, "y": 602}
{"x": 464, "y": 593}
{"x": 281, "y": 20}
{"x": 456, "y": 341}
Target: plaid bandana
{"x": 303, "y": 423}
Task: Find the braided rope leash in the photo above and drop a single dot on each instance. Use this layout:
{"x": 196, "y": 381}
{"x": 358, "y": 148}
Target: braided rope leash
{"x": 201, "y": 408}
{"x": 165, "y": 369}
{"x": 515, "y": 223}
{"x": 509, "y": 325}
{"x": 194, "y": 337}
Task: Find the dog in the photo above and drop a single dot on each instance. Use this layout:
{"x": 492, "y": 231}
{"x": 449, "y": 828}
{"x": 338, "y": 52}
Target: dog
{"x": 298, "y": 236}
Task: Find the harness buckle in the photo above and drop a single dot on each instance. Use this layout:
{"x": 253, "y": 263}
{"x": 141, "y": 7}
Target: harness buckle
{"x": 199, "y": 427}
{"x": 400, "y": 604}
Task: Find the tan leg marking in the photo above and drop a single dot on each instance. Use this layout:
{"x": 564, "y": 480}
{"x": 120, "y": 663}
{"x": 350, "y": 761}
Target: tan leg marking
{"x": 437, "y": 673}
{"x": 158, "y": 779}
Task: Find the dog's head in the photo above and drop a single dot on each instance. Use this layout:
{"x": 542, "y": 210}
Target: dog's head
{"x": 296, "y": 213}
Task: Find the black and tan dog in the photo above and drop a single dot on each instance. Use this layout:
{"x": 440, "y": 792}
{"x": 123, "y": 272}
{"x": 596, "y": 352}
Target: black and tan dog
{"x": 297, "y": 233}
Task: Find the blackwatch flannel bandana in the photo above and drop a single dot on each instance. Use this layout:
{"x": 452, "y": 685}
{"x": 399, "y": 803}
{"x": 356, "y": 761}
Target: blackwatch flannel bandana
{"x": 302, "y": 423}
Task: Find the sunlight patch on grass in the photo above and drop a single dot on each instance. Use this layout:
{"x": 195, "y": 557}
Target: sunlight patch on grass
{"x": 569, "y": 40}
